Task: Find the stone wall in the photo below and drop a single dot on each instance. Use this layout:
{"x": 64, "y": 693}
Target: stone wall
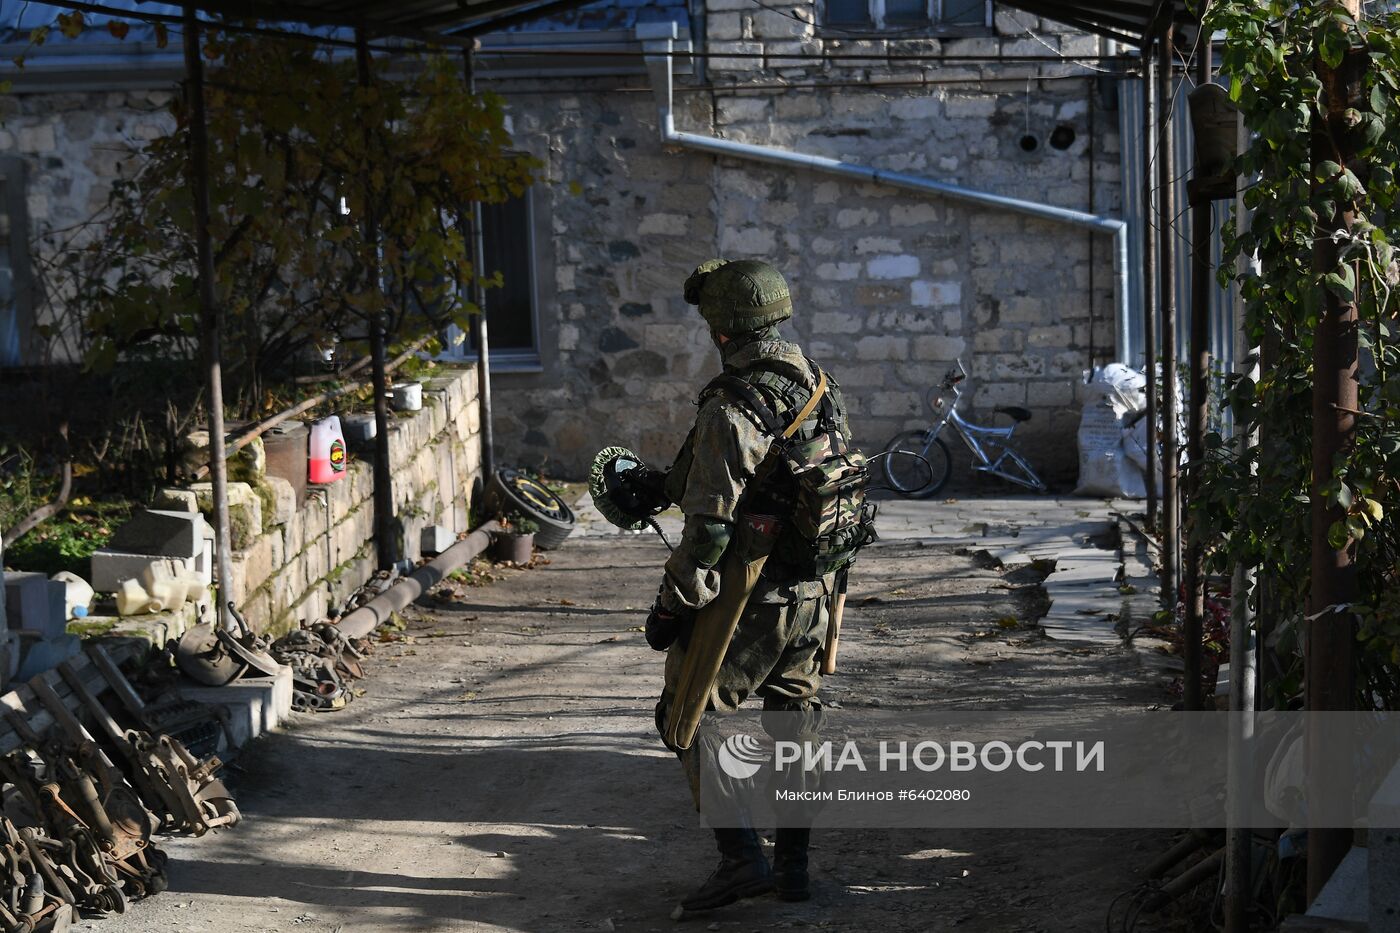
{"x": 324, "y": 550}
{"x": 73, "y": 146}
{"x": 890, "y": 286}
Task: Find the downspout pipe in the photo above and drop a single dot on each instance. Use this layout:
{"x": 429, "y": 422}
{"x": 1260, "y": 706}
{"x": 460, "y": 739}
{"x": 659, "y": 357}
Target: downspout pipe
{"x": 658, "y": 41}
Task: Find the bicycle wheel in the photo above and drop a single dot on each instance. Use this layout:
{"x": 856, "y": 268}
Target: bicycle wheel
{"x": 915, "y": 468}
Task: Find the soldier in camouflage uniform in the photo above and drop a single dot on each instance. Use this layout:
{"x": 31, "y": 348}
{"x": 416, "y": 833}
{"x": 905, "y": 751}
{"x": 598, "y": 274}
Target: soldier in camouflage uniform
{"x": 777, "y": 647}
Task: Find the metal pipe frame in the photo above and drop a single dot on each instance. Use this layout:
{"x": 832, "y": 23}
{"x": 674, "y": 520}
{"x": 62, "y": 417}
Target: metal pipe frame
{"x": 480, "y": 330}
{"x": 1166, "y": 281}
{"x": 1149, "y": 282}
{"x": 385, "y": 544}
{"x": 1193, "y": 566}
{"x": 210, "y": 311}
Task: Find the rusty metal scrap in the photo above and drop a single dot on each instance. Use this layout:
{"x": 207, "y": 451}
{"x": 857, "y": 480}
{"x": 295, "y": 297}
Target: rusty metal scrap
{"x": 324, "y": 663}
{"x": 79, "y": 809}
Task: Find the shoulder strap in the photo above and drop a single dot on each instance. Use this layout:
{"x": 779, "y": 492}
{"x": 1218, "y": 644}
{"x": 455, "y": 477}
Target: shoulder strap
{"x": 740, "y": 390}
{"x": 726, "y": 382}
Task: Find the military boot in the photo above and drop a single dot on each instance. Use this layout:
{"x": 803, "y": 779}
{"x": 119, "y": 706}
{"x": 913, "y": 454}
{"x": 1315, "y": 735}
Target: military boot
{"x": 790, "y": 864}
{"x": 742, "y": 872}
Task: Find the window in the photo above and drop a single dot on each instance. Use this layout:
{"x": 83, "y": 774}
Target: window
{"x": 907, "y": 14}
{"x": 508, "y": 246}
{"x": 16, "y": 299}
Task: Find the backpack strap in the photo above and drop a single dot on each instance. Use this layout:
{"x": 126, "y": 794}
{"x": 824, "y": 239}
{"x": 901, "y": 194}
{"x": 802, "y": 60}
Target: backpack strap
{"x": 744, "y": 392}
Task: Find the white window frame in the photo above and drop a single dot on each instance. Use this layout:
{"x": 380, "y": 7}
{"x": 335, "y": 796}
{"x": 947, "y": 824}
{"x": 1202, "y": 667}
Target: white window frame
{"x": 935, "y": 22}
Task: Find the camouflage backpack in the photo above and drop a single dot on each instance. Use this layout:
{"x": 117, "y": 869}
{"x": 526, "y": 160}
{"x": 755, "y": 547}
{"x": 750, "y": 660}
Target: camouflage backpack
{"x": 812, "y": 476}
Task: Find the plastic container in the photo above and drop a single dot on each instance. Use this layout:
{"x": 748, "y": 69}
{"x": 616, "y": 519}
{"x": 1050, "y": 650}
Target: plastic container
{"x": 513, "y": 549}
{"x": 408, "y": 396}
{"x": 132, "y": 599}
{"x": 327, "y": 451}
{"x": 77, "y": 593}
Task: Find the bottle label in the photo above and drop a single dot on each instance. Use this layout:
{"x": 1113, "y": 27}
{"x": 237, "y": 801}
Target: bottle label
{"x": 337, "y": 456}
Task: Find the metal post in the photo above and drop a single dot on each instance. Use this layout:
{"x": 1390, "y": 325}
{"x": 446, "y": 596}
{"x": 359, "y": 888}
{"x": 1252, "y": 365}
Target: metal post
{"x": 1328, "y": 659}
{"x": 1243, "y": 678}
{"x": 385, "y": 540}
{"x": 1192, "y": 563}
{"x": 1149, "y": 279}
{"x": 210, "y": 312}
{"x": 480, "y": 332}
{"x": 1166, "y": 278}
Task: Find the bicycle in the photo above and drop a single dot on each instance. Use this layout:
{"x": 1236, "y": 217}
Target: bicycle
{"x": 927, "y": 455}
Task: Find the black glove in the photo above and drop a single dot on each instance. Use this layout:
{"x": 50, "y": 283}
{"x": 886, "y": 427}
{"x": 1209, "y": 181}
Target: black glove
{"x": 663, "y": 627}
{"x": 642, "y": 492}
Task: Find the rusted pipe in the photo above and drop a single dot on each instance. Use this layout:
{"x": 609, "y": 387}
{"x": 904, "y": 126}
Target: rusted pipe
{"x": 377, "y": 611}
{"x": 1166, "y": 290}
{"x": 1193, "y": 561}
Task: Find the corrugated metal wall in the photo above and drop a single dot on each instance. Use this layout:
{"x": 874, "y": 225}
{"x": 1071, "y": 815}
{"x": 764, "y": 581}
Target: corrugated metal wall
{"x": 1130, "y": 107}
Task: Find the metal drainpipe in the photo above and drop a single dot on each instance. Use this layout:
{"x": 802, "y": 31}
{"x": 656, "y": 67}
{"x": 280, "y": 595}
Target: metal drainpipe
{"x": 658, "y": 43}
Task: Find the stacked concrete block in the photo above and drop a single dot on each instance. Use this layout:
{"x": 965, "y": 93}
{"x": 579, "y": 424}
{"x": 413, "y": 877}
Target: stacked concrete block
{"x": 36, "y": 636}
{"x": 151, "y": 535}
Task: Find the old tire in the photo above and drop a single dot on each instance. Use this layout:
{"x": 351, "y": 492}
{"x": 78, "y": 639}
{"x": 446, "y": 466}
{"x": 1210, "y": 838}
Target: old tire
{"x": 512, "y": 491}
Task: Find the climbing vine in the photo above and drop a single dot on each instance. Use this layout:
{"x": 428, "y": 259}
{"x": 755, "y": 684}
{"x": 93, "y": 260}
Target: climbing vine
{"x": 1255, "y": 507}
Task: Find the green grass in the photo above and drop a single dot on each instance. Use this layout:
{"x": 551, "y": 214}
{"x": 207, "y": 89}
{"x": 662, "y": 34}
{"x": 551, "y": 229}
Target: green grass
{"x": 66, "y": 541}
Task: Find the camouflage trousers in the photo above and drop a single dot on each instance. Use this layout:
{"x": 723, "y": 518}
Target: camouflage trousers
{"x": 775, "y": 653}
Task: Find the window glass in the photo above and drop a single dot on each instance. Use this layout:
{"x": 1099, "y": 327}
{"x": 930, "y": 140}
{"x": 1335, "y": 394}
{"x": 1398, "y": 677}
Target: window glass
{"x": 848, "y": 12}
{"x": 904, "y": 12}
{"x": 964, "y": 12}
{"x": 506, "y": 244}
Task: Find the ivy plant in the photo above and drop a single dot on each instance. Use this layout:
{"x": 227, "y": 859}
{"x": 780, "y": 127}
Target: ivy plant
{"x": 1254, "y": 507}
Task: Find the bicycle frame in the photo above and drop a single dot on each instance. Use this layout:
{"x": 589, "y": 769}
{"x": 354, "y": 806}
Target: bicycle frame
{"x": 1009, "y": 465}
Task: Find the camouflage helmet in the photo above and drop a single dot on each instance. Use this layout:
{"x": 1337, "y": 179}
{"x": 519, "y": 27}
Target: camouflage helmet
{"x": 740, "y": 296}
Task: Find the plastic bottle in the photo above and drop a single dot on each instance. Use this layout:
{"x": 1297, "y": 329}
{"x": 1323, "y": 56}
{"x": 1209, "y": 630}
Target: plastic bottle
{"x": 327, "y": 453}
{"x": 77, "y": 593}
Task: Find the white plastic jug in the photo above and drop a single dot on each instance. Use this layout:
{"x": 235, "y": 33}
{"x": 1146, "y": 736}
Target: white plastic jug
{"x": 327, "y": 453}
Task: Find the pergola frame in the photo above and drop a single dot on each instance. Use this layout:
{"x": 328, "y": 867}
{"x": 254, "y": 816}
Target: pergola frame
{"x": 1150, "y": 25}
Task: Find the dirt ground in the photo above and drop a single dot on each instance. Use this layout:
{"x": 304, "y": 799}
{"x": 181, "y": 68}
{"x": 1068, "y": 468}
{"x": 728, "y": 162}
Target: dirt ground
{"x": 502, "y": 772}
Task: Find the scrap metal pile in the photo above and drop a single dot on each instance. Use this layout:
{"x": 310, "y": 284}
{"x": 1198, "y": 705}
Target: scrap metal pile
{"x": 324, "y": 663}
{"x": 80, "y": 807}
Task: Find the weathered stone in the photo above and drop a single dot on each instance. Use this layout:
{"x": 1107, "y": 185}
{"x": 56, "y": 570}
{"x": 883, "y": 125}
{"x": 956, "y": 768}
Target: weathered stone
{"x": 838, "y": 271}
{"x": 939, "y": 348}
{"x": 909, "y": 215}
{"x": 916, "y": 108}
{"x": 882, "y": 348}
{"x": 615, "y": 340}
{"x": 157, "y": 532}
{"x": 742, "y": 109}
{"x": 892, "y": 267}
{"x": 924, "y": 294}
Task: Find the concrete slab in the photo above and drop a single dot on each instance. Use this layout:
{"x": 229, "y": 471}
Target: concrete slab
{"x": 165, "y": 533}
{"x": 1346, "y": 895}
{"x": 255, "y": 705}
{"x": 110, "y": 568}
{"x": 28, "y": 600}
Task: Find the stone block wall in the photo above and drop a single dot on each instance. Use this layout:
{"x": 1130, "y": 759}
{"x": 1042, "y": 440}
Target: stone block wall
{"x": 74, "y": 145}
{"x": 295, "y": 571}
{"x": 890, "y": 286}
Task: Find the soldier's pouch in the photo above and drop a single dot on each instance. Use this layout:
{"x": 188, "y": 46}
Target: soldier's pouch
{"x": 754, "y": 536}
